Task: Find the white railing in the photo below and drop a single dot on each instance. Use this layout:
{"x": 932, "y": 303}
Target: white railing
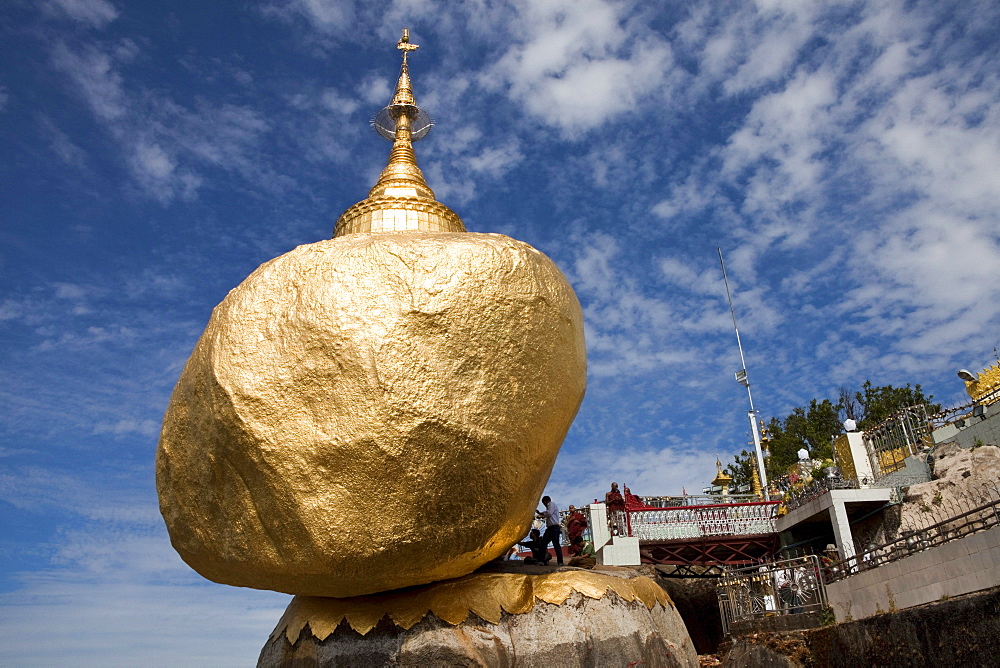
{"x": 684, "y": 522}
{"x": 695, "y": 500}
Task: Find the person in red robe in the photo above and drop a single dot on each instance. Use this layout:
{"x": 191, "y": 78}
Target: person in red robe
{"x": 614, "y": 499}
{"x": 616, "y": 510}
{"x": 576, "y": 523}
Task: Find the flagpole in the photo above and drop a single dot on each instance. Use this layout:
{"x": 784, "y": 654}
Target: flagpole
{"x": 742, "y": 379}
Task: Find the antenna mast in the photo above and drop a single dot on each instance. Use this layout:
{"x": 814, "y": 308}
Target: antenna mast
{"x": 741, "y": 378}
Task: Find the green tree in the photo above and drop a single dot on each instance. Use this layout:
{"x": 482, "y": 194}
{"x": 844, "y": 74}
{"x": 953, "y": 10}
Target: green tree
{"x": 879, "y": 403}
{"x": 741, "y": 468}
{"x": 809, "y": 427}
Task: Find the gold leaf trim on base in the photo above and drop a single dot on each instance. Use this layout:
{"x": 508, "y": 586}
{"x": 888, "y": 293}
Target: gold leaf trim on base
{"x": 486, "y": 595}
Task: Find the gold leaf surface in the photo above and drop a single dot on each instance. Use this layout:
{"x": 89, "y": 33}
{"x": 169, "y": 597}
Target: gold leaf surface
{"x": 486, "y": 595}
{"x": 372, "y": 412}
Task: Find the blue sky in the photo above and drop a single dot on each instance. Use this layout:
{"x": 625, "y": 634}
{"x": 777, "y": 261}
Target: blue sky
{"x": 845, "y": 156}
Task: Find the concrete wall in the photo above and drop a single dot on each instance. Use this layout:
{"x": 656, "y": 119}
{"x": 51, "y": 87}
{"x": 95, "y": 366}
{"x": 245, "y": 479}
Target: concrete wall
{"x": 987, "y": 430}
{"x": 611, "y": 550}
{"x": 959, "y": 632}
{"x": 961, "y": 566}
{"x": 621, "y": 551}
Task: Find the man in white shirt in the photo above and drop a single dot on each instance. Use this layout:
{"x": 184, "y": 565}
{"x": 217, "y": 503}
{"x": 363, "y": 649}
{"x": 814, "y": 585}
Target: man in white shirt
{"x": 553, "y": 527}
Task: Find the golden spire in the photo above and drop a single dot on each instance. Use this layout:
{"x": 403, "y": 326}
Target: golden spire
{"x": 722, "y": 479}
{"x": 401, "y": 199}
{"x": 755, "y": 479}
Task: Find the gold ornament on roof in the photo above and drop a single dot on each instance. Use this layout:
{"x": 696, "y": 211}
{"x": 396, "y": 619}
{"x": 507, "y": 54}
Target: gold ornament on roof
{"x": 722, "y": 479}
{"x": 401, "y": 199}
{"x": 987, "y": 382}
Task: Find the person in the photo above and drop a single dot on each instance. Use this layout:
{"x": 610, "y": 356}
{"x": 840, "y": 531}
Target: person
{"x": 582, "y": 553}
{"x": 631, "y": 500}
{"x": 829, "y": 562}
{"x": 613, "y": 499}
{"x": 616, "y": 509}
{"x": 539, "y": 555}
{"x": 512, "y": 554}
{"x": 576, "y": 523}
{"x": 580, "y": 547}
{"x": 553, "y": 527}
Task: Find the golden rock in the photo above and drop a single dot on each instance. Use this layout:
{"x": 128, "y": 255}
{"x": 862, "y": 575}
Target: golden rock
{"x": 371, "y": 412}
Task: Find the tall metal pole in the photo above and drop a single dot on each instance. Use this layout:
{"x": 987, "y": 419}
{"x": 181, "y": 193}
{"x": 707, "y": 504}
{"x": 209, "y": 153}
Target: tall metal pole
{"x": 742, "y": 379}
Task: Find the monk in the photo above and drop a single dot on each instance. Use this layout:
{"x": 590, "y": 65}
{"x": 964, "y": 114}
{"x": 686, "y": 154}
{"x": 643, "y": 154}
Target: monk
{"x": 576, "y": 523}
{"x": 614, "y": 499}
{"x": 616, "y": 510}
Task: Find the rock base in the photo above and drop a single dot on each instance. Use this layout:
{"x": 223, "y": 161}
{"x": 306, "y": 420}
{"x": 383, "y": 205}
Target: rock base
{"x": 595, "y": 624}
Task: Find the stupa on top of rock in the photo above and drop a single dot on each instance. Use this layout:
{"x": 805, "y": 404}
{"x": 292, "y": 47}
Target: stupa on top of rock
{"x": 401, "y": 198}
{"x": 377, "y": 410}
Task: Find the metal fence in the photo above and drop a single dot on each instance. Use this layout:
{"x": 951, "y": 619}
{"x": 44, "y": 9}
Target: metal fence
{"x": 788, "y": 587}
{"x": 890, "y": 443}
{"x": 963, "y": 411}
{"x": 816, "y": 489}
{"x": 685, "y": 522}
{"x": 965, "y": 515}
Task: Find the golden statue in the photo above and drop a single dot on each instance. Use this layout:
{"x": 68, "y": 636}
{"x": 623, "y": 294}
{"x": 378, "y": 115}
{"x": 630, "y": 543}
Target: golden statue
{"x": 985, "y": 385}
{"x": 377, "y": 410}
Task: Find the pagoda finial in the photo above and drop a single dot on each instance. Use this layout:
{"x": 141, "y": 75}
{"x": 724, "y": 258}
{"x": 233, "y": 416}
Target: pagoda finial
{"x": 404, "y": 91}
{"x": 404, "y": 44}
{"x": 402, "y": 122}
{"x": 401, "y": 199}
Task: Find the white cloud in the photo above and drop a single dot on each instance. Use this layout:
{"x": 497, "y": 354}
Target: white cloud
{"x": 93, "y": 74}
{"x": 168, "y": 146}
{"x": 326, "y": 15}
{"x": 127, "y": 426}
{"x": 117, "y": 595}
{"x": 781, "y": 146}
{"x": 33, "y": 489}
{"x": 153, "y": 161}
{"x": 60, "y": 143}
{"x": 375, "y": 90}
{"x": 581, "y": 63}
{"x": 707, "y": 281}
{"x": 647, "y": 471}
{"x": 69, "y": 291}
{"x": 497, "y": 160}
{"x": 95, "y": 13}
{"x": 337, "y": 102}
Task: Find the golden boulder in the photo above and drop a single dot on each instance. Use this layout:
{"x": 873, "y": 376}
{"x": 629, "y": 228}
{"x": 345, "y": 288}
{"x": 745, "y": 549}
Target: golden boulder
{"x": 371, "y": 412}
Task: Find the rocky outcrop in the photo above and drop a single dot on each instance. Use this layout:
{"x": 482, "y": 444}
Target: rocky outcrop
{"x": 605, "y": 619}
{"x": 958, "y": 485}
